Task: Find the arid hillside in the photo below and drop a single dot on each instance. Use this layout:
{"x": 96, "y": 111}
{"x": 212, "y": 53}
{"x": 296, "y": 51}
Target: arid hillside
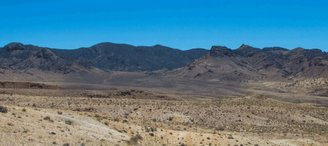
{"x": 135, "y": 117}
{"x": 249, "y": 63}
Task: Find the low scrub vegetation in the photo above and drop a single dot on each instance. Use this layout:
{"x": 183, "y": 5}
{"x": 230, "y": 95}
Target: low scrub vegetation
{"x": 3, "y": 109}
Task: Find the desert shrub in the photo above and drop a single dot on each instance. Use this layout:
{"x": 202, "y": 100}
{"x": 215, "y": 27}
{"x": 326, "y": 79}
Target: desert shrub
{"x": 116, "y": 119}
{"x": 68, "y": 122}
{"x": 150, "y": 129}
{"x": 221, "y": 128}
{"x": 134, "y": 139}
{"x": 230, "y": 137}
{"x": 124, "y": 93}
{"x": 3, "y": 109}
{"x": 47, "y": 118}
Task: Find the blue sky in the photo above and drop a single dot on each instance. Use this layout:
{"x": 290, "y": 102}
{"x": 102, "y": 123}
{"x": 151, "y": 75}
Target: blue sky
{"x": 182, "y": 24}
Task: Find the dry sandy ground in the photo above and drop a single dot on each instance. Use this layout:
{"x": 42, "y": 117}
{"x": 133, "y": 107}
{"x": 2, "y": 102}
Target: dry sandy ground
{"x": 133, "y": 117}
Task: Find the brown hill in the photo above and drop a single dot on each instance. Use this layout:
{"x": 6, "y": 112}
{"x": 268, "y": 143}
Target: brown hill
{"x": 249, "y": 63}
{"x": 19, "y": 57}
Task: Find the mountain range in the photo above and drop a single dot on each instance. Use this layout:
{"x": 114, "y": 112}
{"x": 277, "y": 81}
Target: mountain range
{"x": 249, "y": 63}
{"x": 104, "y": 56}
{"x": 218, "y": 63}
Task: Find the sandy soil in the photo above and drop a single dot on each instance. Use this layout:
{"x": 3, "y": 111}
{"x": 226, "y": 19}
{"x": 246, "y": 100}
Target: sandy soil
{"x": 134, "y": 117}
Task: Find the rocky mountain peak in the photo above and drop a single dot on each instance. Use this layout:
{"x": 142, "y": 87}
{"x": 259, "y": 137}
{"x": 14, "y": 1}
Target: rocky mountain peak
{"x": 221, "y": 51}
{"x": 245, "y": 46}
{"x": 247, "y": 50}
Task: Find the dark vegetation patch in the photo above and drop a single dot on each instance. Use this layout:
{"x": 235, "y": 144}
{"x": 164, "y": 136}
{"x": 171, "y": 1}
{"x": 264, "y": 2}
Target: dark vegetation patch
{"x": 26, "y": 85}
{"x": 3, "y": 109}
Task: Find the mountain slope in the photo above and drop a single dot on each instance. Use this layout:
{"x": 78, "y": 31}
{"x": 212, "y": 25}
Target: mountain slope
{"x": 19, "y": 57}
{"x": 103, "y": 56}
{"x": 122, "y": 57}
{"x": 220, "y": 63}
{"x": 249, "y": 63}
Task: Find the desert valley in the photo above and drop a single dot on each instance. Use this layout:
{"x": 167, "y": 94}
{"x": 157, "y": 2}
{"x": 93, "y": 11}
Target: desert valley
{"x": 125, "y": 95}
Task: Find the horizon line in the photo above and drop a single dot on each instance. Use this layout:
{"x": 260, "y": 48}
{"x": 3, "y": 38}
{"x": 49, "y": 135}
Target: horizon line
{"x": 158, "y": 44}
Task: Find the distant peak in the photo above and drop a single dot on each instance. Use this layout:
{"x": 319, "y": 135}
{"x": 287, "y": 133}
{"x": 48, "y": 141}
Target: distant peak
{"x": 245, "y": 46}
{"x": 275, "y": 49}
{"x": 108, "y": 45}
{"x": 299, "y": 48}
{"x": 103, "y": 44}
{"x": 220, "y": 48}
{"x": 247, "y": 50}
{"x": 159, "y": 46}
{"x": 14, "y": 46}
{"x": 221, "y": 51}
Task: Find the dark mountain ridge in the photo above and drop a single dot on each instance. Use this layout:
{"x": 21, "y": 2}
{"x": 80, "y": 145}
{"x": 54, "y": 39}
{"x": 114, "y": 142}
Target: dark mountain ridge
{"x": 103, "y": 56}
{"x": 123, "y": 57}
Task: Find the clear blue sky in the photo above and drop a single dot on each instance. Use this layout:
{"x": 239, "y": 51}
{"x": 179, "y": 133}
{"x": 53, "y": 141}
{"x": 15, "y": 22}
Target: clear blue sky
{"x": 181, "y": 24}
